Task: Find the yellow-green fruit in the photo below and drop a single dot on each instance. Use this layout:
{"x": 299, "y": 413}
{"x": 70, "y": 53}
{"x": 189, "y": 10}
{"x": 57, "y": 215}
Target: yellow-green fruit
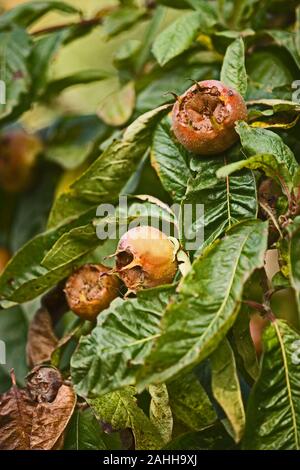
{"x": 18, "y": 154}
{"x": 90, "y": 289}
{"x": 145, "y": 258}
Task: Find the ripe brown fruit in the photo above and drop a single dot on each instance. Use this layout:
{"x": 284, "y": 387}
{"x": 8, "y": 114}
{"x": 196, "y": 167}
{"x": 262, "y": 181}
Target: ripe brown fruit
{"x": 18, "y": 154}
{"x": 90, "y": 289}
{"x": 203, "y": 118}
{"x": 145, "y": 258}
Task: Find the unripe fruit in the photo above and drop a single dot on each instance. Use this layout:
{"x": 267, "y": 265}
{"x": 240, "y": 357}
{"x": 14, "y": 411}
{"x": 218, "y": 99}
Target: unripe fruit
{"x": 4, "y": 258}
{"x": 204, "y": 117}
{"x": 145, "y": 258}
{"x": 90, "y": 289}
{"x": 18, "y": 154}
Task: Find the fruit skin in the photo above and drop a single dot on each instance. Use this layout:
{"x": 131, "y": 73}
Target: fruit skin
{"x": 4, "y": 258}
{"x": 90, "y": 289}
{"x": 18, "y": 155}
{"x": 203, "y": 118}
{"x": 145, "y": 258}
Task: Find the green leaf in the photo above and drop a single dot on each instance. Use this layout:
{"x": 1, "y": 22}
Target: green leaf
{"x": 267, "y": 163}
{"x": 120, "y": 410}
{"x": 71, "y": 140}
{"x": 160, "y": 411}
{"x": 225, "y": 202}
{"x": 273, "y": 413}
{"x": 15, "y": 49}
{"x": 13, "y": 327}
{"x": 55, "y": 87}
{"x": 190, "y": 403}
{"x": 121, "y": 20}
{"x": 105, "y": 178}
{"x": 174, "y": 3}
{"x": 111, "y": 355}
{"x": 212, "y": 438}
{"x": 26, "y": 14}
{"x": 294, "y": 259}
{"x": 24, "y": 277}
{"x": 226, "y": 387}
{"x": 181, "y": 34}
{"x": 170, "y": 161}
{"x": 244, "y": 343}
{"x": 233, "y": 71}
{"x": 117, "y": 108}
{"x": 84, "y": 432}
{"x": 208, "y": 302}
{"x": 268, "y": 76}
{"x": 263, "y": 141}
{"x": 286, "y": 39}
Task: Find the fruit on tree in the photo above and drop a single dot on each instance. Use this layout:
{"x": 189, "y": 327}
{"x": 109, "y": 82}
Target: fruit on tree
{"x": 257, "y": 327}
{"x": 91, "y": 289}
{"x": 18, "y": 155}
{"x": 145, "y": 258}
{"x": 203, "y": 118}
{"x": 4, "y": 258}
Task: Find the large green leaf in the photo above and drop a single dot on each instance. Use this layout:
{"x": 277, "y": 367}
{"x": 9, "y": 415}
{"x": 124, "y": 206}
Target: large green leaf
{"x": 170, "y": 160}
{"x": 15, "y": 49}
{"x": 262, "y": 141}
{"x": 181, "y": 34}
{"x": 190, "y": 403}
{"x": 111, "y": 355}
{"x": 226, "y": 387}
{"x": 208, "y": 302}
{"x": 233, "y": 71}
{"x": 286, "y": 39}
{"x": 84, "y": 432}
{"x": 120, "y": 410}
{"x": 265, "y": 162}
{"x": 105, "y": 178}
{"x": 24, "y": 277}
{"x": 25, "y": 15}
{"x": 273, "y": 413}
{"x": 225, "y": 202}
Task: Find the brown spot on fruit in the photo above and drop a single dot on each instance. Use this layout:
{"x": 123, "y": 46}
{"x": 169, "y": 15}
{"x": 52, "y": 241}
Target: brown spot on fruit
{"x": 90, "y": 289}
{"x": 204, "y": 117}
{"x": 145, "y": 258}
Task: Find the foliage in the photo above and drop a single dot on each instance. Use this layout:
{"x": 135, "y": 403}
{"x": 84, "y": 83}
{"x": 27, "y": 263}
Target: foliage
{"x": 135, "y": 378}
